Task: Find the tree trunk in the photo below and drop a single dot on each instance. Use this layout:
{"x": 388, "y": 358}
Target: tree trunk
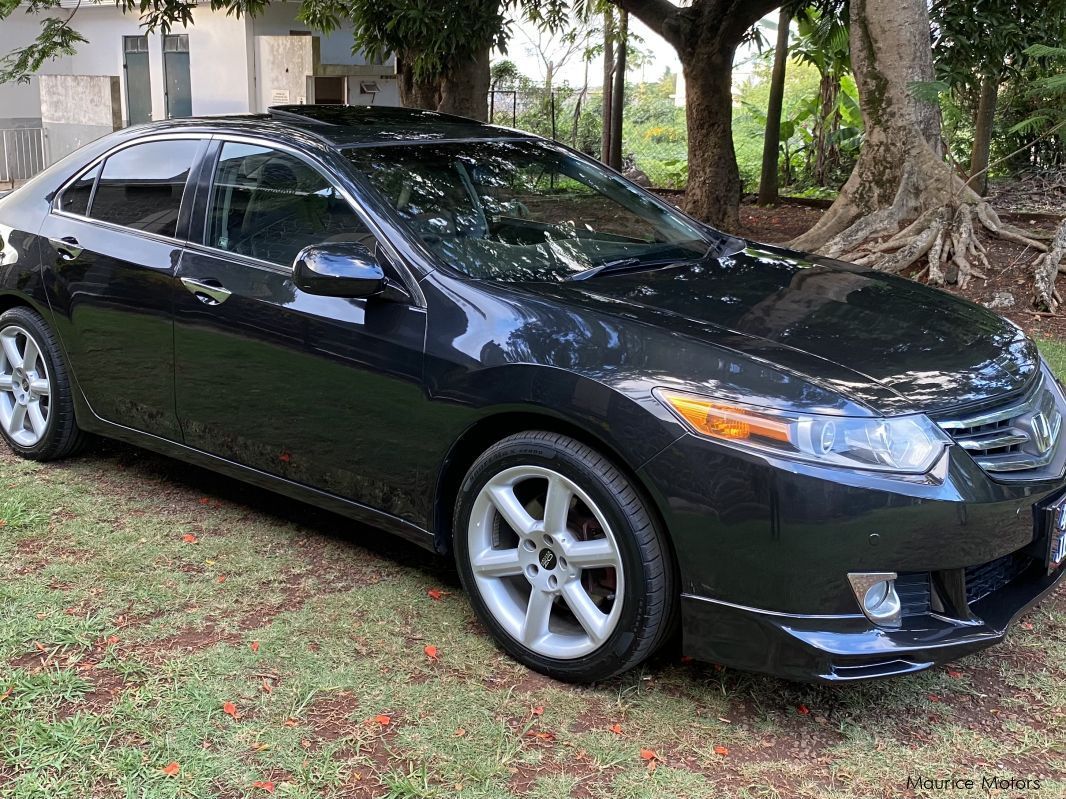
{"x": 465, "y": 92}
{"x": 608, "y": 84}
{"x": 826, "y": 150}
{"x": 899, "y": 171}
{"x": 415, "y": 93}
{"x": 982, "y": 143}
{"x": 714, "y": 187}
{"x": 771, "y": 150}
{"x": 618, "y": 93}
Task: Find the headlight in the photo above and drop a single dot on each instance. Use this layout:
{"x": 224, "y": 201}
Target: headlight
{"x": 899, "y": 444}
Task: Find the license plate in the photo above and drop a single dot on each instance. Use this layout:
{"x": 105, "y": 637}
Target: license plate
{"x": 1057, "y": 536}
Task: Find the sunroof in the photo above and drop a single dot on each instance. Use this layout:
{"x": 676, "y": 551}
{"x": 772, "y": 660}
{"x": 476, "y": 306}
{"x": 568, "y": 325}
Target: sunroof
{"x": 349, "y": 116}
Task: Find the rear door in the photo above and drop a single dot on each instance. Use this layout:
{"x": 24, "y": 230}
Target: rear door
{"x": 319, "y": 390}
{"x": 113, "y": 243}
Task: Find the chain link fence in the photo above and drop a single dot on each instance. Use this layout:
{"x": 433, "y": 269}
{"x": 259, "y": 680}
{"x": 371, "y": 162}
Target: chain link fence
{"x": 654, "y": 137}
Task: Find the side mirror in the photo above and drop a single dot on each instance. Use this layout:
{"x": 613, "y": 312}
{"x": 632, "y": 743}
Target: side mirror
{"x": 341, "y": 269}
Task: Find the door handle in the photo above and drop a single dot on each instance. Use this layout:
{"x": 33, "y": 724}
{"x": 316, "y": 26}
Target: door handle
{"x": 209, "y": 292}
{"x": 67, "y": 247}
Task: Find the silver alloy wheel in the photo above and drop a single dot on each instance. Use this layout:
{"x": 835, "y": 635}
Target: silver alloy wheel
{"x": 25, "y": 387}
{"x": 546, "y": 562}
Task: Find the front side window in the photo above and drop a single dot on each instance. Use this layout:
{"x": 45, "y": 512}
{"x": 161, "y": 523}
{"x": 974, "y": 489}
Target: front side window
{"x": 523, "y": 210}
{"x": 269, "y": 205}
{"x": 141, "y": 186}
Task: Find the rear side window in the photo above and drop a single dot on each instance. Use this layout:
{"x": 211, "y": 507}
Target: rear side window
{"x": 141, "y": 187}
{"x": 75, "y": 199}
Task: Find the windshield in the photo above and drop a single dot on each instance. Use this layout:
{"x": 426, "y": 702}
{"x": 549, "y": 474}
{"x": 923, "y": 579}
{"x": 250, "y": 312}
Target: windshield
{"x": 524, "y": 210}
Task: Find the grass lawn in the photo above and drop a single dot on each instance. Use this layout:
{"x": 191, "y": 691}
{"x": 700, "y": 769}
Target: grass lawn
{"x": 166, "y": 632}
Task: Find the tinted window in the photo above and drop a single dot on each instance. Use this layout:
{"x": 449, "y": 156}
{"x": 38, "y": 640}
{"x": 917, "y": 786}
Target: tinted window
{"x": 75, "y": 200}
{"x": 141, "y": 186}
{"x": 524, "y": 210}
{"x": 270, "y": 205}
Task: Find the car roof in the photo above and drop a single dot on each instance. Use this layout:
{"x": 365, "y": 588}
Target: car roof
{"x": 344, "y": 126}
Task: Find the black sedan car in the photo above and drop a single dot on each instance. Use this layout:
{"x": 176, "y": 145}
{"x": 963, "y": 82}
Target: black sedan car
{"x": 617, "y": 419}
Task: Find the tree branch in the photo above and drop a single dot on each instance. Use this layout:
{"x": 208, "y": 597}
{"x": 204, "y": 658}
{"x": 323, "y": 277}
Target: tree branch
{"x": 661, "y": 16}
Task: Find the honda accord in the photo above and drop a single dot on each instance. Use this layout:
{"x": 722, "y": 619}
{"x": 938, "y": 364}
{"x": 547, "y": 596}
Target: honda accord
{"x": 620, "y": 423}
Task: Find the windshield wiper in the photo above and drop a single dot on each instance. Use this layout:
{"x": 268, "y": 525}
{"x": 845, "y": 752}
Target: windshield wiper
{"x": 727, "y": 245}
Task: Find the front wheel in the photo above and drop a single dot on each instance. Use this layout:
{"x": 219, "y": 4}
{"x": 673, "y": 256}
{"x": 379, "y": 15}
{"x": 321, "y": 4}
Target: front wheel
{"x": 561, "y": 559}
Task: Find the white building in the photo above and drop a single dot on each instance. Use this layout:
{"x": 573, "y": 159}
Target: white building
{"x": 218, "y": 65}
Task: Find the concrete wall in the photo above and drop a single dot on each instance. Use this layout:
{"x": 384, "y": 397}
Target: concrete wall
{"x": 282, "y": 66}
{"x": 78, "y": 109}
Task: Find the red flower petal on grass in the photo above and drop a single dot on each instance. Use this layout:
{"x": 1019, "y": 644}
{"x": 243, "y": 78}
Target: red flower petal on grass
{"x": 254, "y": 646}
{"x": 264, "y": 785}
{"x": 267, "y": 687}
{"x": 648, "y": 754}
{"x": 538, "y": 711}
{"x": 436, "y": 594}
{"x": 431, "y": 652}
{"x": 171, "y": 769}
{"x": 955, "y": 675}
{"x": 205, "y": 500}
{"x": 111, "y": 640}
{"x": 721, "y": 750}
{"x": 189, "y": 538}
{"x": 803, "y": 710}
{"x": 229, "y": 709}
{"x": 383, "y": 720}
{"x": 285, "y": 457}
{"x": 616, "y": 728}
{"x": 934, "y": 698}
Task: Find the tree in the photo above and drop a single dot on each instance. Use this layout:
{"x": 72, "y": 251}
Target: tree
{"x": 768, "y": 188}
{"x": 900, "y": 175}
{"x": 706, "y": 35}
{"x": 981, "y": 44}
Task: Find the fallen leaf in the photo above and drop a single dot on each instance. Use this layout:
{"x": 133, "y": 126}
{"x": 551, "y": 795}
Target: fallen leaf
{"x": 291, "y": 722}
{"x": 383, "y": 720}
{"x": 460, "y": 732}
{"x": 205, "y": 501}
{"x": 285, "y": 457}
{"x": 436, "y": 594}
{"x": 229, "y": 709}
{"x": 267, "y": 687}
{"x": 934, "y": 698}
{"x": 648, "y": 754}
{"x": 431, "y": 652}
{"x": 6, "y": 694}
{"x": 803, "y": 710}
{"x": 955, "y": 675}
{"x": 538, "y": 711}
{"x": 221, "y": 579}
{"x": 39, "y": 646}
{"x": 616, "y": 728}
{"x": 721, "y": 750}
{"x": 189, "y": 538}
{"x": 264, "y": 785}
{"x": 254, "y": 646}
{"x": 541, "y": 735}
{"x": 1027, "y": 625}
{"x": 171, "y": 769}
{"x": 112, "y": 640}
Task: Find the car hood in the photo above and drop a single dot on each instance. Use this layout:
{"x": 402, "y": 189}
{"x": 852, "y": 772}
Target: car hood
{"x": 882, "y": 341}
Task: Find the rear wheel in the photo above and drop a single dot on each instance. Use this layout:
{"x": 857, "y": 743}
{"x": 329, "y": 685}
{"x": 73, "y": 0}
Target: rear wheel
{"x": 36, "y": 408}
{"x": 561, "y": 559}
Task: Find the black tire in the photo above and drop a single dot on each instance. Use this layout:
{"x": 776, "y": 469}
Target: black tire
{"x": 649, "y": 598}
{"x": 62, "y": 437}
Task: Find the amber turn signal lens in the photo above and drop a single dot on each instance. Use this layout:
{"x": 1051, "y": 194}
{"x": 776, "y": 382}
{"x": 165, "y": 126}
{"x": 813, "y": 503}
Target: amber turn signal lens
{"x": 725, "y": 421}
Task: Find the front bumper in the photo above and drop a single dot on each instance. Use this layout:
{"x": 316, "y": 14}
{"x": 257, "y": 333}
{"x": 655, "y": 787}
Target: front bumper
{"x": 764, "y": 550}
{"x": 849, "y": 647}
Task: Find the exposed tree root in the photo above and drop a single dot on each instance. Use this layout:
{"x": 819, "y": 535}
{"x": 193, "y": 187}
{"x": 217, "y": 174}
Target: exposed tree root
{"x": 1046, "y": 297}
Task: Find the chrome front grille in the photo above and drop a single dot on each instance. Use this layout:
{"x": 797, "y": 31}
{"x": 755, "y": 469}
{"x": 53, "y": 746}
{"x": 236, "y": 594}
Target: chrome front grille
{"x": 1014, "y": 439}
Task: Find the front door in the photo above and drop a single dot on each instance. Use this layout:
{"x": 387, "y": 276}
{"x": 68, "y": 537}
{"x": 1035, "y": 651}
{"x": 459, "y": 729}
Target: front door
{"x": 114, "y": 250}
{"x": 309, "y": 388}
{"x": 176, "y": 75}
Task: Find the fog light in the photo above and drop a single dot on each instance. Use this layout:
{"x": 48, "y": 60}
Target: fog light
{"x": 876, "y": 594}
